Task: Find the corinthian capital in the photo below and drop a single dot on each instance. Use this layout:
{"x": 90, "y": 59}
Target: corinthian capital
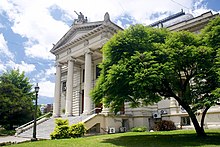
{"x": 58, "y": 64}
{"x": 88, "y": 51}
{"x": 72, "y": 59}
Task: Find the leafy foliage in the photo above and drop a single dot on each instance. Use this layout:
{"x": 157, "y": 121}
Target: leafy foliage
{"x": 15, "y": 99}
{"x": 125, "y": 65}
{"x": 63, "y": 130}
{"x": 144, "y": 64}
{"x": 165, "y": 125}
{"x": 139, "y": 129}
{"x": 4, "y": 132}
{"x": 77, "y": 130}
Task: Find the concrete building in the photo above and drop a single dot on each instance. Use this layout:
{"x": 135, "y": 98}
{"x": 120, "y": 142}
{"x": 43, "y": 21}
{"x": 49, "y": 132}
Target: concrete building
{"x": 77, "y": 56}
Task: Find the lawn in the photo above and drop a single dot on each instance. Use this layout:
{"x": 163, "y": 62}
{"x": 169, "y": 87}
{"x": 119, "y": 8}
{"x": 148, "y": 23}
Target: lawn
{"x": 179, "y": 138}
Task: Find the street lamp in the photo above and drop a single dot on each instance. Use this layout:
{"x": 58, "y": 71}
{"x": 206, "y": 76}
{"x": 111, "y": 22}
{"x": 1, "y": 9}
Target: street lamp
{"x": 36, "y": 88}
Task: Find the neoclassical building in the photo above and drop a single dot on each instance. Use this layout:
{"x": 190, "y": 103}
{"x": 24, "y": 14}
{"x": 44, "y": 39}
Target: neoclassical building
{"x": 77, "y": 56}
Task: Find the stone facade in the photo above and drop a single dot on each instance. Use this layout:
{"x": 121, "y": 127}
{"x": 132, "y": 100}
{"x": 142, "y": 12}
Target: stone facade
{"x": 77, "y": 56}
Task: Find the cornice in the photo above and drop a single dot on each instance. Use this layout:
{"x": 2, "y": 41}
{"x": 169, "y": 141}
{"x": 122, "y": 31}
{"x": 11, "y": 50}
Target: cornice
{"x": 73, "y": 29}
{"x": 105, "y": 26}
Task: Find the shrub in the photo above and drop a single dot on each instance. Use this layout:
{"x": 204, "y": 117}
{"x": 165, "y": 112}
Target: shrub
{"x": 139, "y": 129}
{"x": 60, "y": 132}
{"x": 63, "y": 130}
{"x": 165, "y": 125}
{"x": 77, "y": 130}
{"x": 61, "y": 122}
{"x": 4, "y": 132}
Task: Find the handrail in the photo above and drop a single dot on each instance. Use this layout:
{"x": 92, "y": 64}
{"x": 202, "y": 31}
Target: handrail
{"x": 90, "y": 112}
{"x": 30, "y": 122}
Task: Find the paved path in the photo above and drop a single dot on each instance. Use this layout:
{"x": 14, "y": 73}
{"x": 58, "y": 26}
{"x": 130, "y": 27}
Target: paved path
{"x": 13, "y": 139}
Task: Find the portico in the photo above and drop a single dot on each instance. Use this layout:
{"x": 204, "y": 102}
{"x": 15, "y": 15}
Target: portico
{"x": 77, "y": 56}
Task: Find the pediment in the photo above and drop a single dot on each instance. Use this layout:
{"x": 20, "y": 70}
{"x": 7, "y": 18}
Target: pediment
{"x": 79, "y": 32}
{"x": 75, "y": 32}
{"x": 74, "y": 36}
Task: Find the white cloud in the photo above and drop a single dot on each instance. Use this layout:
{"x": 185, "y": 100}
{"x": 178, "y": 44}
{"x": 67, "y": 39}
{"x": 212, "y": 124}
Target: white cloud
{"x": 46, "y": 74}
{"x": 4, "y": 48}
{"x": 27, "y": 68}
{"x": 46, "y": 88}
{"x": 2, "y": 67}
{"x": 32, "y": 19}
{"x": 38, "y": 50}
{"x": 51, "y": 71}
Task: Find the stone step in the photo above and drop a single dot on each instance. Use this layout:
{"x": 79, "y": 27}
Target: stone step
{"x": 44, "y": 129}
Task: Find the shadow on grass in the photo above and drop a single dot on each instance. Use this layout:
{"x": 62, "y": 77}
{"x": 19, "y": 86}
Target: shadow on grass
{"x": 160, "y": 140}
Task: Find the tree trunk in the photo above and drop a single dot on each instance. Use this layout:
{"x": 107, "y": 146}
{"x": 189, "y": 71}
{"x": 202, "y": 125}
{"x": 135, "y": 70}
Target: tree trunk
{"x": 199, "y": 130}
{"x": 203, "y": 117}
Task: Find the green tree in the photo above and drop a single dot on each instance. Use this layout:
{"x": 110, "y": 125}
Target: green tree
{"x": 144, "y": 64}
{"x": 16, "y": 99}
{"x": 118, "y": 71}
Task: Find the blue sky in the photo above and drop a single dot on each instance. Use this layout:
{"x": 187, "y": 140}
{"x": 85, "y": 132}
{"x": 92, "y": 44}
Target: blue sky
{"x": 29, "y": 28}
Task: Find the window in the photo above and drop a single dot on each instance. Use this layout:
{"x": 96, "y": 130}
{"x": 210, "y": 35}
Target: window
{"x": 185, "y": 121}
{"x": 83, "y": 76}
{"x": 63, "y": 86}
{"x": 97, "y": 71}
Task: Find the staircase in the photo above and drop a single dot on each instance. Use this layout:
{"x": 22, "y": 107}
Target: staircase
{"x": 47, "y": 126}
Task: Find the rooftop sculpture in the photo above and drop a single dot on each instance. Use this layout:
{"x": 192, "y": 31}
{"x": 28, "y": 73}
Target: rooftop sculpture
{"x": 80, "y": 19}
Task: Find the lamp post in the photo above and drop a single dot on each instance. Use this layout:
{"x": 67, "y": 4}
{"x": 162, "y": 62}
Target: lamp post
{"x": 36, "y": 88}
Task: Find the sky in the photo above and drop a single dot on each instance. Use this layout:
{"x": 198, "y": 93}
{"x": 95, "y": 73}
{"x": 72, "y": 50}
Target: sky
{"x": 28, "y": 29}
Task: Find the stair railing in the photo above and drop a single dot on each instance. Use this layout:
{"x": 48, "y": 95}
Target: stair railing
{"x": 93, "y": 110}
{"x": 25, "y": 127}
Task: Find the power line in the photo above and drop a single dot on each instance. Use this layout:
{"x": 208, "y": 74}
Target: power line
{"x": 180, "y": 4}
{"x": 121, "y": 6}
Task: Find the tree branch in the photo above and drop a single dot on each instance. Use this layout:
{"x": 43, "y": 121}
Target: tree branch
{"x": 203, "y": 116}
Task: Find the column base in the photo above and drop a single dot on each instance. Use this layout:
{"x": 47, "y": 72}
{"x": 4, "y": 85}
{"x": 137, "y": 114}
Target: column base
{"x": 86, "y": 113}
{"x": 55, "y": 116}
{"x": 34, "y": 139}
{"x": 68, "y": 115}
{"x": 106, "y": 111}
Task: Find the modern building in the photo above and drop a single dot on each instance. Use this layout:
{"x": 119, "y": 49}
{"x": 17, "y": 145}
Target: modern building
{"x": 77, "y": 56}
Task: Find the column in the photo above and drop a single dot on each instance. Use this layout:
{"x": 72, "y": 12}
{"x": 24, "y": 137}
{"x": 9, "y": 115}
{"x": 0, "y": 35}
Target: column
{"x": 69, "y": 86}
{"x": 173, "y": 106}
{"x": 57, "y": 93}
{"x": 105, "y": 110}
{"x": 88, "y": 82}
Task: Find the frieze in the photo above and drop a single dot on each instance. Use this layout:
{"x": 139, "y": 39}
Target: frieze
{"x": 57, "y": 57}
{"x": 68, "y": 51}
{"x": 86, "y": 42}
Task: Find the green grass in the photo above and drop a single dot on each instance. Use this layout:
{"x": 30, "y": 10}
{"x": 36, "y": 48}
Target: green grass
{"x": 179, "y": 138}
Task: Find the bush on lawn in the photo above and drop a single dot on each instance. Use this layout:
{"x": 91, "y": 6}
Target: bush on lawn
{"x": 77, "y": 130}
{"x": 139, "y": 129}
{"x": 165, "y": 125}
{"x": 4, "y": 132}
{"x": 63, "y": 130}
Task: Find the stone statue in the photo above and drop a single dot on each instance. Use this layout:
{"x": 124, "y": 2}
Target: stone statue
{"x": 80, "y": 19}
